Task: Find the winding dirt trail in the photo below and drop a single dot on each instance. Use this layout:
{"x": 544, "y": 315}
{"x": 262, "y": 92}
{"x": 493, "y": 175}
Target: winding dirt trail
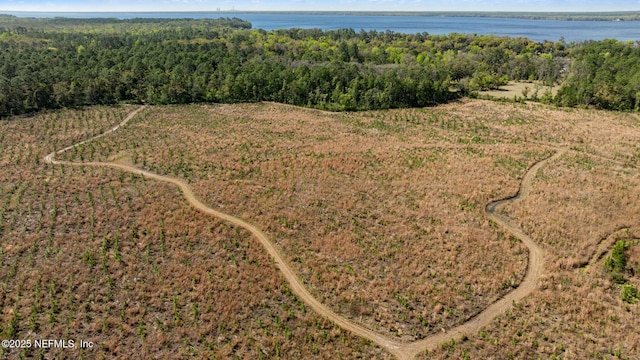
{"x": 398, "y": 349}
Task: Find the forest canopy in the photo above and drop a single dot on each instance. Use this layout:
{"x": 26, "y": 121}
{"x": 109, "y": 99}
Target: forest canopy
{"x": 59, "y": 62}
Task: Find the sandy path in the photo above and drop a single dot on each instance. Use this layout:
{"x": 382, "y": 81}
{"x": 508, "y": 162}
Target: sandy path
{"x": 398, "y": 349}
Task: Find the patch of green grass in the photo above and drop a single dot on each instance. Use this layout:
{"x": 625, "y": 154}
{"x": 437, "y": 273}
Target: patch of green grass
{"x": 629, "y": 294}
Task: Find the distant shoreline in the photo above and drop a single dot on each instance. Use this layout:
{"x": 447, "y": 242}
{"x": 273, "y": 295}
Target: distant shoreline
{"x": 563, "y": 16}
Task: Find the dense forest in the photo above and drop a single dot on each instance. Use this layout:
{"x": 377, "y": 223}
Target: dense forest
{"x": 52, "y": 63}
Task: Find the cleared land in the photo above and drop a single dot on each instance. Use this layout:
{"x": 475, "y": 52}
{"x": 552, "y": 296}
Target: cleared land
{"x": 362, "y": 207}
{"x": 380, "y": 213}
{"x": 521, "y": 90}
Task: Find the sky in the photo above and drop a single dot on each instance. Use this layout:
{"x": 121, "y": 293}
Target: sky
{"x": 308, "y": 5}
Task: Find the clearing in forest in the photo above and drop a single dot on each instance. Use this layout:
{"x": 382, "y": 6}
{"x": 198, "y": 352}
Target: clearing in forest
{"x": 381, "y": 215}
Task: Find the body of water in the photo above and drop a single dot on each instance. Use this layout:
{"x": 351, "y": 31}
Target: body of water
{"x": 537, "y": 30}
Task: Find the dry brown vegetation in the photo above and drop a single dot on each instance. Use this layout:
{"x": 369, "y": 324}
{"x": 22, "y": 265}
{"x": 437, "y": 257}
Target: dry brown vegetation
{"x": 100, "y": 255}
{"x": 584, "y": 202}
{"x": 381, "y": 214}
{"x": 363, "y": 206}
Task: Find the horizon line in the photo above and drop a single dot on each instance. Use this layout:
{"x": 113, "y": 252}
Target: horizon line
{"x": 404, "y": 12}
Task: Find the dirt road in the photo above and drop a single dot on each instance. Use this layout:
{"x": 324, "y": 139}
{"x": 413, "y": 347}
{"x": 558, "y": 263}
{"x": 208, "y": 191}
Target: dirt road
{"x": 398, "y": 349}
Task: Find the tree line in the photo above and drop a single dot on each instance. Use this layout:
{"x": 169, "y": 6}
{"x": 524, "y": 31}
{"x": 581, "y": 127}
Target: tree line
{"x": 52, "y": 63}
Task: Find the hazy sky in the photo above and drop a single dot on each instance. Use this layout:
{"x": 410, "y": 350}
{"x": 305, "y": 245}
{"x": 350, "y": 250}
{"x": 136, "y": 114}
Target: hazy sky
{"x": 339, "y": 5}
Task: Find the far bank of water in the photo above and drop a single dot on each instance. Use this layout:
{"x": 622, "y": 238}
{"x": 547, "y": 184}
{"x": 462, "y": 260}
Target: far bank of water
{"x": 537, "y": 30}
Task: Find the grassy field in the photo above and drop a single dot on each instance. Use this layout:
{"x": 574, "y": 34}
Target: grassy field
{"x": 521, "y": 90}
{"x": 124, "y": 262}
{"x": 380, "y": 213}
